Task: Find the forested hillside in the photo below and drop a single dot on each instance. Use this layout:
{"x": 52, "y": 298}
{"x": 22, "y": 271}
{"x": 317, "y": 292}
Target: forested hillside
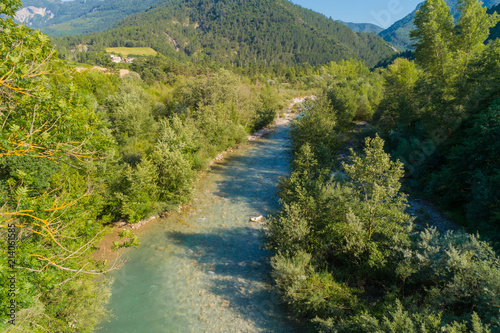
{"x": 495, "y": 31}
{"x": 364, "y": 27}
{"x": 399, "y": 33}
{"x": 241, "y": 32}
{"x": 63, "y": 18}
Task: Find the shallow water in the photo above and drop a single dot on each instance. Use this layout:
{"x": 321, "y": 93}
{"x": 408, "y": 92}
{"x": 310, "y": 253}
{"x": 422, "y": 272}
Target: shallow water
{"x": 205, "y": 269}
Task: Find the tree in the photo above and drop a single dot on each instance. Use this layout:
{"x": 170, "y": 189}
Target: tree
{"x": 317, "y": 127}
{"x": 47, "y": 126}
{"x": 433, "y": 36}
{"x": 470, "y": 175}
{"x": 472, "y": 30}
{"x": 398, "y": 107}
{"x": 375, "y": 223}
{"x": 443, "y": 49}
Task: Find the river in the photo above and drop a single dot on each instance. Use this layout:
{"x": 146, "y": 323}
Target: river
{"x": 205, "y": 269}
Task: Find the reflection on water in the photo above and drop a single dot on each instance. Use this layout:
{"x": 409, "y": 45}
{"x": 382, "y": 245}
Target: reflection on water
{"x": 205, "y": 269}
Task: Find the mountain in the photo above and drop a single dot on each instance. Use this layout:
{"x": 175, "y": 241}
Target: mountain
{"x": 243, "y": 32}
{"x": 62, "y": 18}
{"x": 364, "y": 27}
{"x": 398, "y": 34}
{"x": 495, "y": 31}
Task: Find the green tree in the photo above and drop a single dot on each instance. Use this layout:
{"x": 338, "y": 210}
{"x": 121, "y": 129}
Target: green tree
{"x": 174, "y": 157}
{"x": 375, "y": 223}
{"x": 130, "y": 112}
{"x": 268, "y": 104}
{"x": 473, "y": 165}
{"x": 317, "y": 127}
{"x": 472, "y": 30}
{"x": 433, "y": 37}
{"x": 399, "y": 105}
{"x": 48, "y": 126}
{"x": 140, "y": 191}
{"x": 130, "y": 109}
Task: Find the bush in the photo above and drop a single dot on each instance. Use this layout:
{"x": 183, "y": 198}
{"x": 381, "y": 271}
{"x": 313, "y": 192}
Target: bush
{"x": 456, "y": 274}
{"x": 309, "y": 293}
{"x": 140, "y": 191}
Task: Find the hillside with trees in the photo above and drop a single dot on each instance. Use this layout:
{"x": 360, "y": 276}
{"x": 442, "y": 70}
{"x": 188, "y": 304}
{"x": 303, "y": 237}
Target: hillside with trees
{"x": 242, "y": 33}
{"x": 67, "y": 18}
{"x": 364, "y": 27}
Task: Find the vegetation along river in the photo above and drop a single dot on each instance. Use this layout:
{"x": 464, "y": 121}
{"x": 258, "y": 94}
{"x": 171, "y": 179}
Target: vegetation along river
{"x": 205, "y": 269}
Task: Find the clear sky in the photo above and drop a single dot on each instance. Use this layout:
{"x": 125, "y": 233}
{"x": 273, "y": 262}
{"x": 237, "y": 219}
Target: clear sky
{"x": 380, "y": 12}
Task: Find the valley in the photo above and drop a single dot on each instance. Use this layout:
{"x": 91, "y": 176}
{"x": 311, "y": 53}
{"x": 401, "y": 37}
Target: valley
{"x": 161, "y": 169}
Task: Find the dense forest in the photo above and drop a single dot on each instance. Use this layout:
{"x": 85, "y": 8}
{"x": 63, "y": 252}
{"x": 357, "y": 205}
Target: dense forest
{"x": 240, "y": 32}
{"x": 82, "y": 149}
{"x": 349, "y": 257}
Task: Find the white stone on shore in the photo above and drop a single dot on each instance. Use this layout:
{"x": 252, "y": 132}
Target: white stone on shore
{"x": 257, "y": 218}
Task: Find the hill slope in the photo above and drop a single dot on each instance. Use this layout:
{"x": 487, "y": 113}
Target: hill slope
{"x": 364, "y": 27}
{"x": 398, "y": 34}
{"x": 61, "y": 18}
{"x": 243, "y": 32}
{"x": 495, "y": 31}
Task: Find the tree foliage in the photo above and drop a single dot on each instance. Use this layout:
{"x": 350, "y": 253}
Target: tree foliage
{"x": 432, "y": 110}
{"x": 49, "y": 129}
{"x": 348, "y": 259}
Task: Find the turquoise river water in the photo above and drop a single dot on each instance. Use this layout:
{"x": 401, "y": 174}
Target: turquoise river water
{"x": 205, "y": 269}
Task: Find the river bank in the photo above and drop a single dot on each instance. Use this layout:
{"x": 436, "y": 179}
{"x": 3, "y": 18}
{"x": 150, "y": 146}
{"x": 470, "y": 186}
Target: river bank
{"x": 104, "y": 250}
{"x": 204, "y": 268}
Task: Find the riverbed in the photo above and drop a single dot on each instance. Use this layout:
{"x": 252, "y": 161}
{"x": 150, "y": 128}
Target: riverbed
{"x": 205, "y": 269}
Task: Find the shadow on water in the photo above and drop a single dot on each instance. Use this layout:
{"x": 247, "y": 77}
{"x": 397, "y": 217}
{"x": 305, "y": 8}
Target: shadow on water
{"x": 252, "y": 178}
{"x": 239, "y": 274}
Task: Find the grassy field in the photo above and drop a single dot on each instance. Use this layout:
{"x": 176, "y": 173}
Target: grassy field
{"x": 125, "y": 51}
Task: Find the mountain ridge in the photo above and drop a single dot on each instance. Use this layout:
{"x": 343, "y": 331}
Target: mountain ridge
{"x": 78, "y": 17}
{"x": 242, "y": 32}
{"x": 364, "y": 27}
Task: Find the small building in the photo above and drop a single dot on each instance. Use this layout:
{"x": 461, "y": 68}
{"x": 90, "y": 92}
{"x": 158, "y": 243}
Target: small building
{"x": 115, "y": 58}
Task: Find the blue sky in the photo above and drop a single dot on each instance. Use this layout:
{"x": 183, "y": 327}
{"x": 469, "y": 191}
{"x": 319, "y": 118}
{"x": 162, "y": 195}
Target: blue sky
{"x": 380, "y": 12}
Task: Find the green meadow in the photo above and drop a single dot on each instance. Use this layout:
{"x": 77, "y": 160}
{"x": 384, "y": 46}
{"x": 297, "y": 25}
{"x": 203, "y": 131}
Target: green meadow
{"x": 126, "y": 51}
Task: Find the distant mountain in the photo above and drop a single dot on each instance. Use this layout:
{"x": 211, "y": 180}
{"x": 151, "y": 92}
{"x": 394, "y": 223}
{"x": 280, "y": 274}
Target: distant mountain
{"x": 495, "y": 31}
{"x": 398, "y": 34}
{"x": 364, "y": 27}
{"x": 243, "y": 32}
{"x": 62, "y": 18}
